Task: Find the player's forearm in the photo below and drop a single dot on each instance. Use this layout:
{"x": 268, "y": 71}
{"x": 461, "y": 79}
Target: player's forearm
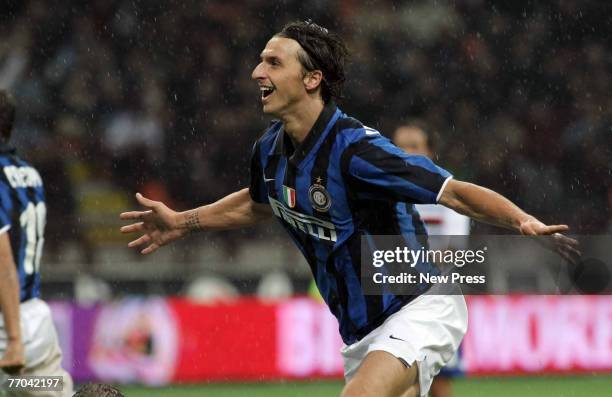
{"x": 233, "y": 211}
{"x": 9, "y": 300}
{"x": 483, "y": 204}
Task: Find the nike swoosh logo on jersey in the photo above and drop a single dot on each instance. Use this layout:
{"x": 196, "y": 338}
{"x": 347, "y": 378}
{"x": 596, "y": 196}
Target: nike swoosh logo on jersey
{"x": 268, "y": 180}
{"x": 393, "y": 337}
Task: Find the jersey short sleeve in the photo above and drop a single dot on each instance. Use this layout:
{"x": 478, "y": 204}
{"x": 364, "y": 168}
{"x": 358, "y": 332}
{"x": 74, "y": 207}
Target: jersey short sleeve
{"x": 378, "y": 169}
{"x": 257, "y": 186}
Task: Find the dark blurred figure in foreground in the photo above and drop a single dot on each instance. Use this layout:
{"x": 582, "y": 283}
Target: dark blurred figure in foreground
{"x": 98, "y": 390}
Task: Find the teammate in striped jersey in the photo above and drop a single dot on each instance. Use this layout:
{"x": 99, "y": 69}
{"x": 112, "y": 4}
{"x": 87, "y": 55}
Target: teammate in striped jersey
{"x": 331, "y": 181}
{"x": 28, "y": 341}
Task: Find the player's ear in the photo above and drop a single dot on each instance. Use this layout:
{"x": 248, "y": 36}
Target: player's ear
{"x": 312, "y": 79}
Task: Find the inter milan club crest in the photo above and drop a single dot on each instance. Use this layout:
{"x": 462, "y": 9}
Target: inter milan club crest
{"x": 289, "y": 196}
{"x": 319, "y": 197}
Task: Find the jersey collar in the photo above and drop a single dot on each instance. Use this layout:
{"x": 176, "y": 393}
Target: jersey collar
{"x": 284, "y": 145}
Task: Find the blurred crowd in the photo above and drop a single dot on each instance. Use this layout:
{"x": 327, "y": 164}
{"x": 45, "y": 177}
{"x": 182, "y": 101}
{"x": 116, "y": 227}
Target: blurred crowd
{"x": 119, "y": 96}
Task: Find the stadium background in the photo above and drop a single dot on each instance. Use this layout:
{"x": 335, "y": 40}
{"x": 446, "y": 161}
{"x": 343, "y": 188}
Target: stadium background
{"x": 154, "y": 96}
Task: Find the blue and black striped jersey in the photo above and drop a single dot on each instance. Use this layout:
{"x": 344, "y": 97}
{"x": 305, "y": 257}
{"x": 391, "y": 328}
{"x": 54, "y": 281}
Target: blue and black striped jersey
{"x": 343, "y": 182}
{"x": 23, "y": 215}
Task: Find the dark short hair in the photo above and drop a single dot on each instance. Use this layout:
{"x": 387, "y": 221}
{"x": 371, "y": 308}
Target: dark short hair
{"x": 98, "y": 390}
{"x": 430, "y": 134}
{"x": 323, "y": 50}
{"x": 7, "y": 115}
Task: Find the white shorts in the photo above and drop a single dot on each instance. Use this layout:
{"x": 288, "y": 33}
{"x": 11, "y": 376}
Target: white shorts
{"x": 427, "y": 331}
{"x": 42, "y": 352}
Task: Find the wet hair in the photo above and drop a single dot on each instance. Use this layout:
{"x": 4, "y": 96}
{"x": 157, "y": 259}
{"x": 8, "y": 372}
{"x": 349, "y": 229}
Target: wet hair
{"x": 7, "y": 115}
{"x": 322, "y": 50}
{"x": 98, "y": 390}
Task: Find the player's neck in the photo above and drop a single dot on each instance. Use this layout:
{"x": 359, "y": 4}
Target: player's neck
{"x": 299, "y": 122}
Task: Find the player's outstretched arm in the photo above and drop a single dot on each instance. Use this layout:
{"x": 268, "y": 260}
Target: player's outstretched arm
{"x": 160, "y": 225}
{"x": 485, "y": 205}
{"x": 13, "y": 359}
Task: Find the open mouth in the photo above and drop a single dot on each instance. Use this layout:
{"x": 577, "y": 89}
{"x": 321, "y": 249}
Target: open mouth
{"x": 266, "y": 91}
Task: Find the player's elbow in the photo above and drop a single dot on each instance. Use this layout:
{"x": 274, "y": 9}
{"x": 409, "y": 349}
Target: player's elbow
{"x": 452, "y": 195}
{"x": 455, "y": 196}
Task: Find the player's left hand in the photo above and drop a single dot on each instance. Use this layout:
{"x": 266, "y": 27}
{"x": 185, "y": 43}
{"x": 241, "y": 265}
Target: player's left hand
{"x": 567, "y": 247}
{"x": 13, "y": 360}
{"x": 533, "y": 227}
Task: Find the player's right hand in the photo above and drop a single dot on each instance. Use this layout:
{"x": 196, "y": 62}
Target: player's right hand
{"x": 551, "y": 237}
{"x": 157, "y": 224}
{"x": 13, "y": 360}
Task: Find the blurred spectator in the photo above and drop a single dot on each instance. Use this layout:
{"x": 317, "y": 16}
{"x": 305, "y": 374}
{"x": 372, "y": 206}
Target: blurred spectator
{"x": 207, "y": 289}
{"x": 89, "y": 290}
{"x": 275, "y": 285}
